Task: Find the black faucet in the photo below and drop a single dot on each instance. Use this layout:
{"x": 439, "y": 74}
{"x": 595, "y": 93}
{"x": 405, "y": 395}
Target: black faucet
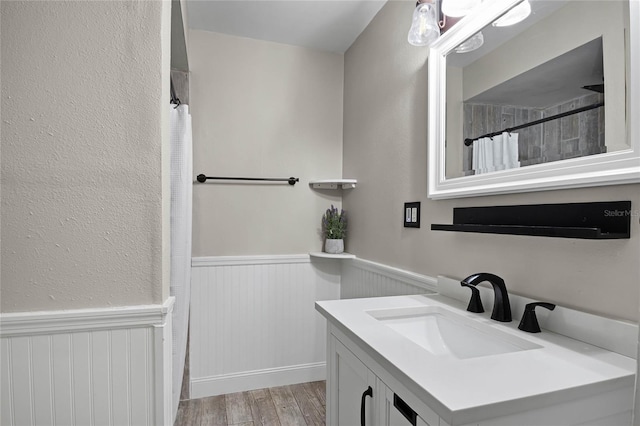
{"x": 529, "y": 322}
{"x": 501, "y": 307}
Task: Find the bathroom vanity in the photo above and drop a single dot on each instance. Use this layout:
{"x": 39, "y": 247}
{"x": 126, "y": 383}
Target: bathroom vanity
{"x": 425, "y": 360}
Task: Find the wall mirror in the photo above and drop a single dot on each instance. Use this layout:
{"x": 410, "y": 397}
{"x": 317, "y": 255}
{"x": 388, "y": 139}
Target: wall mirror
{"x": 544, "y": 104}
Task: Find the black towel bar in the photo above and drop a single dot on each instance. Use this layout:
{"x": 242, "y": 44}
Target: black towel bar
{"x": 291, "y": 180}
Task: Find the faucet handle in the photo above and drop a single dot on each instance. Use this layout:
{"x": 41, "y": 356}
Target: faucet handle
{"x": 475, "y": 304}
{"x": 529, "y": 322}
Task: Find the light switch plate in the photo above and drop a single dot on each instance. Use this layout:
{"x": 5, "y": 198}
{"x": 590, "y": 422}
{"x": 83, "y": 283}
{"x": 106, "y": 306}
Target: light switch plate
{"x": 412, "y": 215}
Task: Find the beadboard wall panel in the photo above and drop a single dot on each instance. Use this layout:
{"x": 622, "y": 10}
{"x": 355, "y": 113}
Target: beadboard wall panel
{"x": 363, "y": 278}
{"x": 254, "y": 324}
{"x": 86, "y": 367}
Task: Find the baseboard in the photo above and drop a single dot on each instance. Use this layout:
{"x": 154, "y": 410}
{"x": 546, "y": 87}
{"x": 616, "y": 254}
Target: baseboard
{"x": 259, "y": 379}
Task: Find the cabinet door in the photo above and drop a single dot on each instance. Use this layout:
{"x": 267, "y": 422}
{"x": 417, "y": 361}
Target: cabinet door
{"x": 394, "y": 411}
{"x": 349, "y": 381}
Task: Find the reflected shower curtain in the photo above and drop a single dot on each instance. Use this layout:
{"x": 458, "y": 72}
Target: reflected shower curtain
{"x": 495, "y": 153}
{"x": 181, "y": 197}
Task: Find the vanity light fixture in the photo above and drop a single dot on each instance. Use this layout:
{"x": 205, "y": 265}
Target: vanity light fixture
{"x": 425, "y": 28}
{"x": 430, "y": 17}
{"x": 472, "y": 44}
{"x": 515, "y": 15}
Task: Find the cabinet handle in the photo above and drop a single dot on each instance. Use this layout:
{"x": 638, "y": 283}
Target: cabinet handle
{"x": 365, "y": 394}
{"x": 404, "y": 409}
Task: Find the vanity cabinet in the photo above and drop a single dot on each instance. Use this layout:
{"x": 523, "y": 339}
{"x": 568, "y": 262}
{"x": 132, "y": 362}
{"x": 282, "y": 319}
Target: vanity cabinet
{"x": 351, "y": 381}
{"x": 393, "y": 401}
{"x": 355, "y": 394}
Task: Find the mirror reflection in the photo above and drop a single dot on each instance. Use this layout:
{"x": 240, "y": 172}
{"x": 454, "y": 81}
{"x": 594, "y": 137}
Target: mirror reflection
{"x": 535, "y": 93}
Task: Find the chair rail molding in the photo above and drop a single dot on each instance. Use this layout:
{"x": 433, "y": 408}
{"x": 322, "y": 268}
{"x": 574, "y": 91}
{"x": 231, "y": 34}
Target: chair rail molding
{"x": 364, "y": 278}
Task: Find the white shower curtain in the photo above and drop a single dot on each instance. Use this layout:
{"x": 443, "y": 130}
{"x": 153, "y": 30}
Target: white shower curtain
{"x": 181, "y": 197}
{"x": 497, "y": 153}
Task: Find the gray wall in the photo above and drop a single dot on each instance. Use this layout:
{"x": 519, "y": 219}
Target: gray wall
{"x": 84, "y": 142}
{"x": 262, "y": 109}
{"x": 385, "y": 135}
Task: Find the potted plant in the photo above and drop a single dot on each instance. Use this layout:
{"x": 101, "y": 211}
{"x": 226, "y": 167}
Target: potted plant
{"x": 334, "y": 229}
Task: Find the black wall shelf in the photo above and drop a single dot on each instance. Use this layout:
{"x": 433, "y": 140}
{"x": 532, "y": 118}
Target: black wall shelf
{"x": 597, "y": 221}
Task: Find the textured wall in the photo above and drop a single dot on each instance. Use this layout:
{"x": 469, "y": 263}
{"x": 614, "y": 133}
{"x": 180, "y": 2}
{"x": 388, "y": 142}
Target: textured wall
{"x": 262, "y": 109}
{"x": 84, "y": 132}
{"x": 385, "y": 149}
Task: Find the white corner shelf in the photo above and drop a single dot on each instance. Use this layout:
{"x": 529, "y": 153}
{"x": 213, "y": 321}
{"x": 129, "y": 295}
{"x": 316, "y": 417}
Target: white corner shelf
{"x": 332, "y": 256}
{"x": 333, "y": 183}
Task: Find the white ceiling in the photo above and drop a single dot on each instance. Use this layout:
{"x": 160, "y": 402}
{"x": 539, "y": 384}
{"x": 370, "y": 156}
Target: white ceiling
{"x": 331, "y": 25}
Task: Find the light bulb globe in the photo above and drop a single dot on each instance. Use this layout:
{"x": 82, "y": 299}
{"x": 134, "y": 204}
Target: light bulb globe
{"x": 458, "y": 8}
{"x": 424, "y": 26}
{"x": 515, "y": 15}
{"x": 472, "y": 44}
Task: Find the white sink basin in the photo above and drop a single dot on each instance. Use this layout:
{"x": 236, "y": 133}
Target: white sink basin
{"x": 446, "y": 333}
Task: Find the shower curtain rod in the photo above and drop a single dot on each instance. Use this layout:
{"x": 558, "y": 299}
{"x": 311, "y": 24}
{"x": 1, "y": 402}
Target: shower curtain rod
{"x": 174, "y": 99}
{"x": 291, "y": 180}
{"x": 470, "y": 141}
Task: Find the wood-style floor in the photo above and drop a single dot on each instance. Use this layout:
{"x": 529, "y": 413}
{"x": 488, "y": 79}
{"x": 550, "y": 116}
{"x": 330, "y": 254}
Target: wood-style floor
{"x": 294, "y": 405}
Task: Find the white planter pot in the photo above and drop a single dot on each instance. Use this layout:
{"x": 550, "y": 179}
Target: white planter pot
{"x": 334, "y": 246}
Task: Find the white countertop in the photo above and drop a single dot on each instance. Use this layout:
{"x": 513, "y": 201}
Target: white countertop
{"x": 463, "y": 389}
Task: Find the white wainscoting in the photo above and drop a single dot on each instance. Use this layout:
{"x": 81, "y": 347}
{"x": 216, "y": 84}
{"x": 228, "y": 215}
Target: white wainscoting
{"x": 363, "y": 278}
{"x": 87, "y": 367}
{"x": 254, "y": 323}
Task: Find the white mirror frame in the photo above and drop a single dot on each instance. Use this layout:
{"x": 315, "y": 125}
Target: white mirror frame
{"x": 619, "y": 167}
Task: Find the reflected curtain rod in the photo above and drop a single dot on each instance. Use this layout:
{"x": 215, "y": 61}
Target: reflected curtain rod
{"x": 470, "y": 141}
{"x": 291, "y": 180}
